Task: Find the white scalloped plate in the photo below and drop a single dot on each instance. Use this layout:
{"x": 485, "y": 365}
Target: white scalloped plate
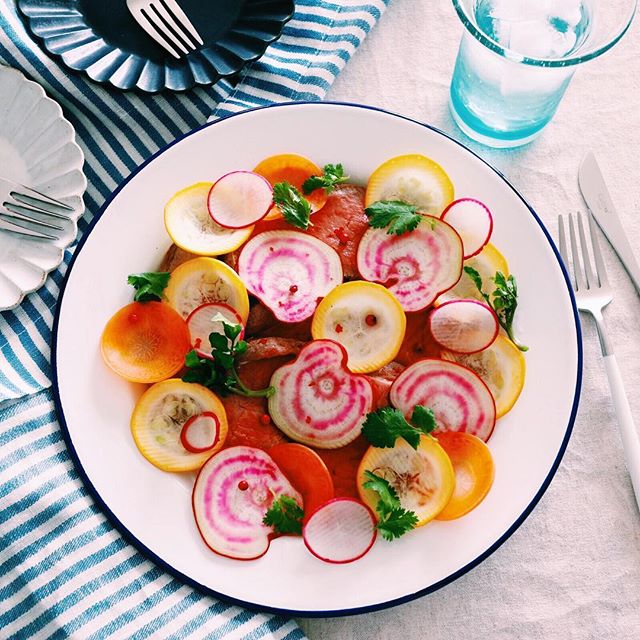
{"x": 153, "y": 508}
{"x": 37, "y": 148}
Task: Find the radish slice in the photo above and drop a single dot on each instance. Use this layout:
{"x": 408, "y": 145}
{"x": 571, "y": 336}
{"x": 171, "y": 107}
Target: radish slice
{"x": 460, "y": 400}
{"x": 205, "y": 320}
{"x": 239, "y": 199}
{"x": 200, "y": 433}
{"x": 417, "y": 266}
{"x": 473, "y": 221}
{"x": 464, "y": 326}
{"x": 317, "y": 400}
{"x": 340, "y": 531}
{"x": 231, "y": 496}
{"x": 289, "y": 271}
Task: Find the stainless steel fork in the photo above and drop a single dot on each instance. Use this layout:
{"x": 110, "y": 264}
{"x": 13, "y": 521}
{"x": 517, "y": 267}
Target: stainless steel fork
{"x": 29, "y": 213}
{"x": 167, "y": 24}
{"x": 593, "y": 294}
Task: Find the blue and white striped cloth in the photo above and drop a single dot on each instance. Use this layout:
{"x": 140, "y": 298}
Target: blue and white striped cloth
{"x": 64, "y": 571}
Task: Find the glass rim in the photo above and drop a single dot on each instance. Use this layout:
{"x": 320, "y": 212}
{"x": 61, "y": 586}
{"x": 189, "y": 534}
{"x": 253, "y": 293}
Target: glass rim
{"x": 510, "y": 54}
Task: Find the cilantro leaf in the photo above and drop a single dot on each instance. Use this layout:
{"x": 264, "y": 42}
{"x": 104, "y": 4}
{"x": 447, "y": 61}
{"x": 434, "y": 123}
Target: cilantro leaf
{"x": 294, "y": 207}
{"x": 423, "y": 418}
{"x": 219, "y": 372}
{"x": 284, "y": 515}
{"x": 397, "y": 523}
{"x": 149, "y": 285}
{"x": 332, "y": 175}
{"x": 394, "y": 520}
{"x": 505, "y": 300}
{"x": 399, "y": 217}
{"x": 383, "y": 427}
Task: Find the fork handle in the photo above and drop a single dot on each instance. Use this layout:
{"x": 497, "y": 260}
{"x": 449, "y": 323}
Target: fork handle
{"x": 628, "y": 431}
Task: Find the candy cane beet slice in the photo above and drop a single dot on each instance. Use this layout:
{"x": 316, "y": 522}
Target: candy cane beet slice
{"x": 473, "y": 221}
{"x": 416, "y": 266}
{"x": 340, "y": 531}
{"x": 289, "y": 271}
{"x": 460, "y": 400}
{"x": 231, "y": 496}
{"x": 464, "y": 326}
{"x": 239, "y": 199}
{"x": 317, "y": 400}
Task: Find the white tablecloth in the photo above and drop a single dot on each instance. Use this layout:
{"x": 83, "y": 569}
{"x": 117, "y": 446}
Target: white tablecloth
{"x": 572, "y": 570}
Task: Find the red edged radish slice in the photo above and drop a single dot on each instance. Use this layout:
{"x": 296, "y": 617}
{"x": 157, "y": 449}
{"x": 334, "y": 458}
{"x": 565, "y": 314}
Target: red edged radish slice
{"x": 340, "y": 531}
{"x": 473, "y": 221}
{"x": 209, "y": 318}
{"x": 158, "y": 420}
{"x": 289, "y": 271}
{"x": 460, "y": 400}
{"x": 417, "y": 266}
{"x": 366, "y": 319}
{"x": 232, "y": 493}
{"x": 200, "y": 433}
{"x": 317, "y": 400}
{"x": 464, "y": 326}
{"x": 239, "y": 199}
{"x": 412, "y": 178}
{"x": 188, "y": 223}
{"x": 202, "y": 280}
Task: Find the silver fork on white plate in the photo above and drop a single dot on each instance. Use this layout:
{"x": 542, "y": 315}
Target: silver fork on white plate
{"x": 167, "y": 24}
{"x": 30, "y": 213}
{"x": 593, "y": 294}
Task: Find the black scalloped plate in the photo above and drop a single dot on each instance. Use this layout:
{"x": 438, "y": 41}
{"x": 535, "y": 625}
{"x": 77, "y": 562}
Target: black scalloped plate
{"x": 104, "y": 41}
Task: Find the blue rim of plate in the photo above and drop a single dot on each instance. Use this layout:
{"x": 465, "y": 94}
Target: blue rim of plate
{"x": 62, "y": 28}
{"x": 301, "y": 612}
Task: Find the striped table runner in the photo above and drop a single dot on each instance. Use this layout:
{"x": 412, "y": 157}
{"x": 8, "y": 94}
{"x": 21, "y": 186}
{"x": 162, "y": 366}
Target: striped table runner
{"x": 64, "y": 571}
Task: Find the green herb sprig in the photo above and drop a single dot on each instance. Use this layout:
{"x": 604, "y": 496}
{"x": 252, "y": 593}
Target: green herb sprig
{"x": 396, "y": 216}
{"x": 295, "y": 208}
{"x": 284, "y": 515}
{"x": 332, "y": 175}
{"x": 149, "y": 286}
{"x": 394, "y": 521}
{"x": 383, "y": 427}
{"x": 220, "y": 373}
{"x": 505, "y": 300}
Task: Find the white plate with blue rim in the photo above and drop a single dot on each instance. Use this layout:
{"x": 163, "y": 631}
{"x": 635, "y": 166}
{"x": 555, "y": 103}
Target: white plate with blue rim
{"x": 153, "y": 509}
{"x": 37, "y": 149}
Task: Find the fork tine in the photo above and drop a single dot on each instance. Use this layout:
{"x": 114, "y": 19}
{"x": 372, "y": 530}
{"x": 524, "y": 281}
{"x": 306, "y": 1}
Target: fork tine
{"x": 586, "y": 260}
{"x": 17, "y": 215}
{"x": 27, "y": 202}
{"x": 153, "y": 31}
{"x": 182, "y": 18}
{"x": 577, "y": 269}
{"x": 601, "y": 270}
{"x": 562, "y": 241}
{"x": 41, "y": 197}
{"x": 180, "y": 35}
{"x": 31, "y": 232}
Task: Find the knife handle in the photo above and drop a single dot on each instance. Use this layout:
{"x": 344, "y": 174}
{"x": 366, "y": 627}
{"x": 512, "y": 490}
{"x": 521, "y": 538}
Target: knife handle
{"x": 628, "y": 431}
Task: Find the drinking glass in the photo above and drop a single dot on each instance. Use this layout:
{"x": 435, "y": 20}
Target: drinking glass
{"x": 517, "y": 57}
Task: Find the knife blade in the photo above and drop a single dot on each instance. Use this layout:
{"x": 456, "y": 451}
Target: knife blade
{"x": 596, "y": 195}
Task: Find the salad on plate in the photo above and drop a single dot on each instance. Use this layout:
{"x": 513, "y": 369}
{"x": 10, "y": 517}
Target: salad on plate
{"x": 329, "y": 360}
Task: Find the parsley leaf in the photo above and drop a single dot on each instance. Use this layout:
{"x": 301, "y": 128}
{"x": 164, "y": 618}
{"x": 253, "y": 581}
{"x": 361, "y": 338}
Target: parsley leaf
{"x": 399, "y": 217}
{"x": 294, "y": 206}
{"x": 332, "y": 175}
{"x": 394, "y": 521}
{"x": 220, "y": 373}
{"x": 505, "y": 300}
{"x": 383, "y": 427}
{"x": 284, "y": 515}
{"x": 149, "y": 285}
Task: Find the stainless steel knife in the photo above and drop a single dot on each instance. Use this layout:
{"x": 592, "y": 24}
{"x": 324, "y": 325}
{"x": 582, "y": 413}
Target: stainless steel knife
{"x": 595, "y": 194}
